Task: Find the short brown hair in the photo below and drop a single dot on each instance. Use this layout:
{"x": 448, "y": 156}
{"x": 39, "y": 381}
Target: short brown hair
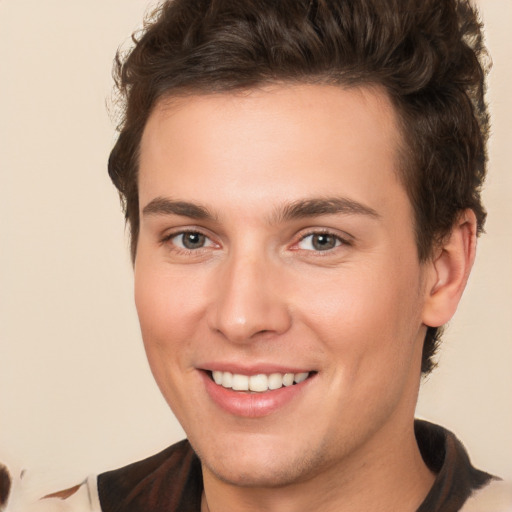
{"x": 427, "y": 54}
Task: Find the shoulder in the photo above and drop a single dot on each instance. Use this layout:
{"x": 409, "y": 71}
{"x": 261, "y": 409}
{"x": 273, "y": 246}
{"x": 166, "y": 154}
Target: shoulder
{"x": 30, "y": 491}
{"x": 457, "y": 481}
{"x": 494, "y": 497}
{"x": 171, "y": 478}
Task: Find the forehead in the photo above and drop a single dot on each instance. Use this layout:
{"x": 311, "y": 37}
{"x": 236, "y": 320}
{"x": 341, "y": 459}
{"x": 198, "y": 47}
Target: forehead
{"x": 276, "y": 143}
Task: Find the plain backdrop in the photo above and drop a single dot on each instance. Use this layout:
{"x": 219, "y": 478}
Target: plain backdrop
{"x": 75, "y": 388}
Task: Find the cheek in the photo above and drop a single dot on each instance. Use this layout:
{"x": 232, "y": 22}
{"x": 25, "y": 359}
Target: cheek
{"x": 168, "y": 320}
{"x": 164, "y": 298}
{"x": 168, "y": 307}
{"x": 368, "y": 315}
{"x": 370, "y": 339}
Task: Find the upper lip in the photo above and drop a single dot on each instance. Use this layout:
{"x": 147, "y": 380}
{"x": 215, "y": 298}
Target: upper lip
{"x": 253, "y": 369}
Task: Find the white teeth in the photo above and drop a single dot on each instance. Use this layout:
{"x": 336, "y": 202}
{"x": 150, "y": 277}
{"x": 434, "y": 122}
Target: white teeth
{"x": 240, "y": 382}
{"x": 257, "y": 383}
{"x": 300, "y": 377}
{"x": 288, "y": 379}
{"x": 227, "y": 379}
{"x": 275, "y": 381}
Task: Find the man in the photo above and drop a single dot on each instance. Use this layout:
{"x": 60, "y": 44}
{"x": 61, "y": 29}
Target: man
{"x": 301, "y": 181}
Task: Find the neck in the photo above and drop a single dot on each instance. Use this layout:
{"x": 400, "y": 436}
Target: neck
{"x": 388, "y": 473}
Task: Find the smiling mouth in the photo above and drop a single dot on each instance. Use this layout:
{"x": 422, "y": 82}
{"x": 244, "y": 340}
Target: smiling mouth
{"x": 259, "y": 383}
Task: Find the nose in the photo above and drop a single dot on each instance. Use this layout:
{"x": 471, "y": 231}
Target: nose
{"x": 248, "y": 301}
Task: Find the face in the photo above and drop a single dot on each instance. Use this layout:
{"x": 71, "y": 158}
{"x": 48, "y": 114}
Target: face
{"x": 277, "y": 280}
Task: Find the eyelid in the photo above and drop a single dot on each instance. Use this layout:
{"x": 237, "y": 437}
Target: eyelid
{"x": 166, "y": 238}
{"x": 345, "y": 239}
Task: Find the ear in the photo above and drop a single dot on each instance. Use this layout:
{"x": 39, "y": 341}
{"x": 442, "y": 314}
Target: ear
{"x": 449, "y": 270}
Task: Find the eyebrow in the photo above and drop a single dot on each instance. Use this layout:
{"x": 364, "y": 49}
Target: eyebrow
{"x": 299, "y": 209}
{"x": 315, "y": 207}
{"x": 166, "y": 206}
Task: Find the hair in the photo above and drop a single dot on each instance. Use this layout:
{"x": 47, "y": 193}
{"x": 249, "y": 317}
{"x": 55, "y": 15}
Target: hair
{"x": 428, "y": 56}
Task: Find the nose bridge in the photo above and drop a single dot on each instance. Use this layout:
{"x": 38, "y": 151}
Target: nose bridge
{"x": 248, "y": 301}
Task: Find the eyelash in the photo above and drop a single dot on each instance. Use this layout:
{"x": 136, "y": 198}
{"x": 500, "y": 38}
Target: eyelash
{"x": 339, "y": 241}
{"x": 183, "y": 250}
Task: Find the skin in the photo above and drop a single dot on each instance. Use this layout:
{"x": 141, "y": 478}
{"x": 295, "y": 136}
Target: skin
{"x": 259, "y": 292}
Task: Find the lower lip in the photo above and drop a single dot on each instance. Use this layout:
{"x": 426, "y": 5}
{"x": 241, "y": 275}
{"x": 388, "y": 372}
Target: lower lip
{"x": 252, "y": 405}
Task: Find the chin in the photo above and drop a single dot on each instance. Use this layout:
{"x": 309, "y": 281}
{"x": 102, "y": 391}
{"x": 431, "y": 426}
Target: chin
{"x": 261, "y": 464}
{"x": 257, "y": 475}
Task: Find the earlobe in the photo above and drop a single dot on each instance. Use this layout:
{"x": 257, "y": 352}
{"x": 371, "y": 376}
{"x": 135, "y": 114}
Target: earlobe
{"x": 449, "y": 271}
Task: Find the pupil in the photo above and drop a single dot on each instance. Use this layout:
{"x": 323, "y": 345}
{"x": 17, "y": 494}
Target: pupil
{"x": 323, "y": 242}
{"x": 193, "y": 240}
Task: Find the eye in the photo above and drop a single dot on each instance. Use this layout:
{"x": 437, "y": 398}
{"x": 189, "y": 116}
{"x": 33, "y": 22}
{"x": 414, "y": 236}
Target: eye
{"x": 190, "y": 240}
{"x": 319, "y": 242}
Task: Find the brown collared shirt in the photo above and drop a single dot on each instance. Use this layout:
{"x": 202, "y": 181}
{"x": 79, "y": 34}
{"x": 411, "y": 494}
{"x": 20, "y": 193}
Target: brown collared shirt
{"x": 171, "y": 481}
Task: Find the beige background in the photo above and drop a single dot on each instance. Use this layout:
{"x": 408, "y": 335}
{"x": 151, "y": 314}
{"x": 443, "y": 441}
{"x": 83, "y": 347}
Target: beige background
{"x": 75, "y": 389}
